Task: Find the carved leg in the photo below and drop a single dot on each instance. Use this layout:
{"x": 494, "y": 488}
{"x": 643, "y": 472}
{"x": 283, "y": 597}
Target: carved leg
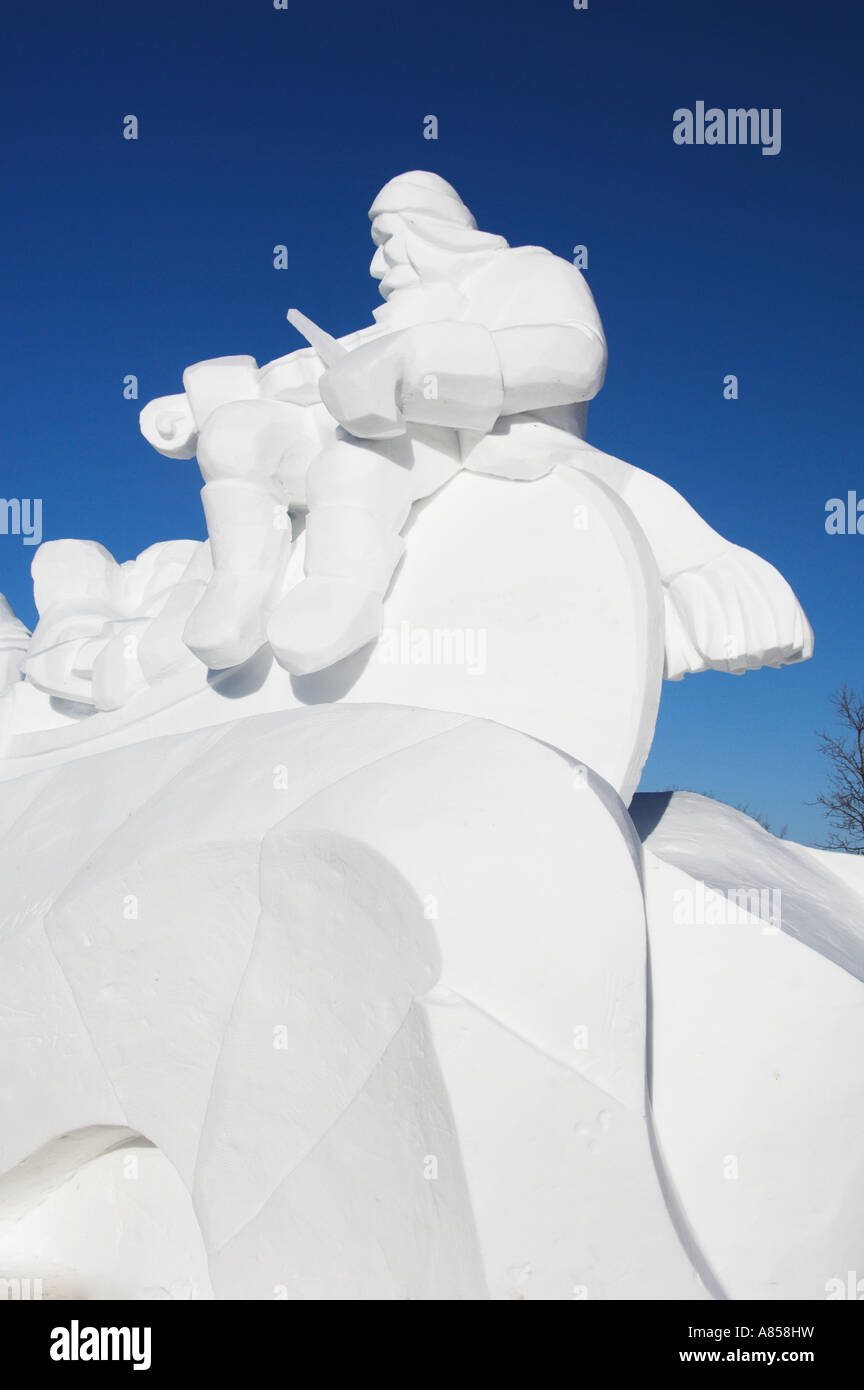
{"x": 241, "y": 452}
{"x": 359, "y": 500}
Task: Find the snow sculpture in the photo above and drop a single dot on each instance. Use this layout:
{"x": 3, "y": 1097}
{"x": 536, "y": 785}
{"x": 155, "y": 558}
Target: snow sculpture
{"x": 93, "y": 644}
{"x": 490, "y": 623}
{"x": 317, "y": 863}
{"x": 482, "y": 357}
{"x": 14, "y": 640}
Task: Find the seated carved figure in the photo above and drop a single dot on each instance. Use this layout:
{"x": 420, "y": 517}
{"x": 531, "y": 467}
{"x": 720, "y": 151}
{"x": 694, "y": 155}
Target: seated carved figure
{"x": 482, "y": 357}
{"x": 90, "y": 645}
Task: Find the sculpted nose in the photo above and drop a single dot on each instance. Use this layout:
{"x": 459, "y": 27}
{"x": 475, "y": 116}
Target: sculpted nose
{"x": 378, "y": 267}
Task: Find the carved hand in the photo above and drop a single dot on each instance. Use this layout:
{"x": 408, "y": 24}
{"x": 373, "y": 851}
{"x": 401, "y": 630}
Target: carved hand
{"x": 169, "y": 425}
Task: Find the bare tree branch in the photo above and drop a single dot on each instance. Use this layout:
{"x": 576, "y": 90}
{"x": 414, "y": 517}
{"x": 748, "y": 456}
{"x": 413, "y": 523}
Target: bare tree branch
{"x": 843, "y": 801}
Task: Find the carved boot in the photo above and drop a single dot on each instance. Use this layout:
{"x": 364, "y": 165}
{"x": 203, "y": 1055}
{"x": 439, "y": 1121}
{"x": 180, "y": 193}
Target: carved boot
{"x": 250, "y": 540}
{"x": 338, "y": 608}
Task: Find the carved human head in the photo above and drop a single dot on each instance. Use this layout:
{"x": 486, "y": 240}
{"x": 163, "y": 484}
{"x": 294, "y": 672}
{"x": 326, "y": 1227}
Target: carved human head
{"x": 422, "y": 230}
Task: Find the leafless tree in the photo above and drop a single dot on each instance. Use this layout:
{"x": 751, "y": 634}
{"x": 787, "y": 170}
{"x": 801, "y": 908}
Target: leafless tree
{"x": 843, "y": 802}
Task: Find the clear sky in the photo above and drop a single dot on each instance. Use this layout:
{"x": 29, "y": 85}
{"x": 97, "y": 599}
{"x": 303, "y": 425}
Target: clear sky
{"x": 260, "y": 126}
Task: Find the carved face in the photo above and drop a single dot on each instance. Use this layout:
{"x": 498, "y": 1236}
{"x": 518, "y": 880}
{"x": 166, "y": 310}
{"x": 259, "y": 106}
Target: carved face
{"x": 392, "y": 264}
{"x": 425, "y": 248}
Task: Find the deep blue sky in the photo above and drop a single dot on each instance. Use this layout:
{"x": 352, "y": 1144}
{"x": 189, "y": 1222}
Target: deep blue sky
{"x": 260, "y": 126}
